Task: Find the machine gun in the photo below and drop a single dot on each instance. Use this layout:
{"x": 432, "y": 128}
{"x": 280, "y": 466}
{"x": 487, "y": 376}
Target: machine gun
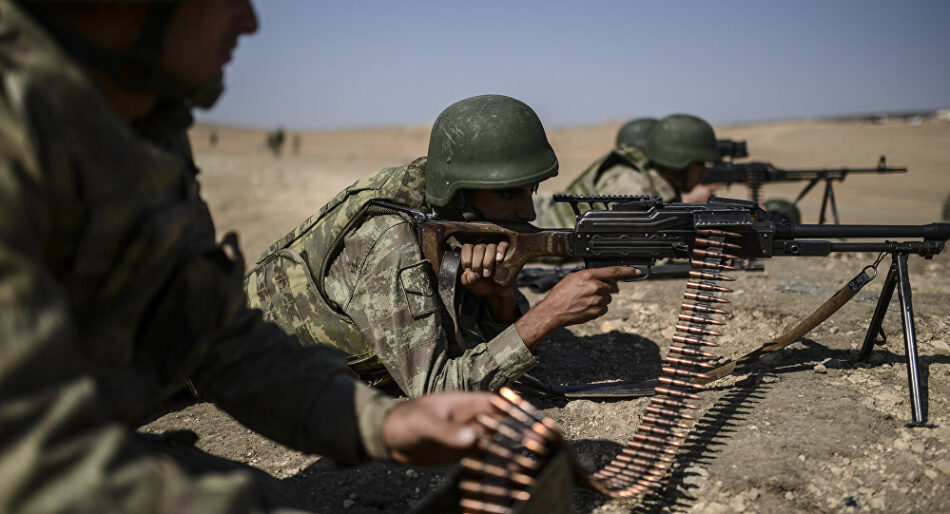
{"x": 638, "y": 230}
{"x": 755, "y": 174}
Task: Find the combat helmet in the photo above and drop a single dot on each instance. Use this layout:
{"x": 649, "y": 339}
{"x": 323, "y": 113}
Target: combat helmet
{"x": 680, "y": 139}
{"x": 783, "y": 210}
{"x": 486, "y": 142}
{"x": 635, "y": 132}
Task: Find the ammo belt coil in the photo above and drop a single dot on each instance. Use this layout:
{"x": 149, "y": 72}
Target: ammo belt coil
{"x": 519, "y": 444}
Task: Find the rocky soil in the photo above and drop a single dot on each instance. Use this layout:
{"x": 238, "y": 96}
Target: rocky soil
{"x": 809, "y": 430}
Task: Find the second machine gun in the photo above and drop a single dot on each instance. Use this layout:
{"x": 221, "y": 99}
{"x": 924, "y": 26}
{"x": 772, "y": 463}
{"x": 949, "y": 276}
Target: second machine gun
{"x": 755, "y": 174}
{"x": 637, "y": 231}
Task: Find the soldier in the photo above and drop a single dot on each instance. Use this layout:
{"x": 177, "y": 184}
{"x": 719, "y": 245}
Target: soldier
{"x": 669, "y": 162}
{"x": 114, "y": 293}
{"x": 352, "y": 276}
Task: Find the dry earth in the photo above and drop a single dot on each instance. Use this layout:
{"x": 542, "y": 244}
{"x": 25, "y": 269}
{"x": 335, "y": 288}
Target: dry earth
{"x": 810, "y": 431}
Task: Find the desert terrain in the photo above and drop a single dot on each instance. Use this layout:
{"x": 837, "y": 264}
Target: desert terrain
{"x": 808, "y": 431}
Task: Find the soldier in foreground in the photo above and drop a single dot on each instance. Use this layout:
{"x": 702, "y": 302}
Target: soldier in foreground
{"x": 352, "y": 276}
{"x": 665, "y": 158}
{"x": 114, "y": 293}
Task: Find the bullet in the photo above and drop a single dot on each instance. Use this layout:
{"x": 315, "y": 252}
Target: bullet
{"x": 665, "y": 422}
{"x": 653, "y": 429}
{"x": 718, "y": 233}
{"x": 706, "y": 286}
{"x": 681, "y": 361}
{"x": 689, "y": 329}
{"x": 524, "y": 418}
{"x": 703, "y": 242}
{"x": 497, "y": 491}
{"x": 480, "y": 468}
{"x": 642, "y": 436}
{"x": 709, "y": 275}
{"x": 638, "y": 446}
{"x": 715, "y": 253}
{"x": 698, "y": 307}
{"x": 481, "y": 507}
{"x": 676, "y": 393}
{"x": 691, "y": 352}
{"x": 513, "y": 397}
{"x": 528, "y": 439}
{"x": 702, "y": 297}
{"x": 668, "y": 413}
{"x": 670, "y": 402}
{"x": 497, "y": 450}
{"x": 626, "y": 459}
{"x": 681, "y": 383}
{"x": 702, "y": 264}
{"x": 702, "y": 320}
{"x": 677, "y": 372}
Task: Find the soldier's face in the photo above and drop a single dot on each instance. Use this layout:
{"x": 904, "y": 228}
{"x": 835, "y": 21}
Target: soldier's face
{"x": 201, "y": 36}
{"x": 513, "y": 205}
{"x": 695, "y": 173}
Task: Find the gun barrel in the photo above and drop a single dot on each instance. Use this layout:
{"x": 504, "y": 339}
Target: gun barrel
{"x": 932, "y": 231}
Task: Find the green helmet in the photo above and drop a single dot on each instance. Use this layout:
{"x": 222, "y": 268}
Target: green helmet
{"x": 678, "y": 140}
{"x": 486, "y": 142}
{"x": 783, "y": 210}
{"x": 635, "y": 132}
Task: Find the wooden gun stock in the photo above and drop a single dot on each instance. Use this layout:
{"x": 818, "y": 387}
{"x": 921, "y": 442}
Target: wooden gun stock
{"x": 525, "y": 242}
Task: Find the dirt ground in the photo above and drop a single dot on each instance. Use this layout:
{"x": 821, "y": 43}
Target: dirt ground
{"x": 808, "y": 431}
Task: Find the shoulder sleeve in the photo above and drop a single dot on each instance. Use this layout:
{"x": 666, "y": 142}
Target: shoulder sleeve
{"x": 395, "y": 304}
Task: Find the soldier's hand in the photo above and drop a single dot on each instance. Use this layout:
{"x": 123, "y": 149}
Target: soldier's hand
{"x": 478, "y": 267}
{"x": 580, "y": 297}
{"x": 701, "y": 193}
{"x": 436, "y": 428}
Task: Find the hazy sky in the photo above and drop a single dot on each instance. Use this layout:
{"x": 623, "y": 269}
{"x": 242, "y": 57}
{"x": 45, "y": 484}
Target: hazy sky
{"x": 358, "y": 63}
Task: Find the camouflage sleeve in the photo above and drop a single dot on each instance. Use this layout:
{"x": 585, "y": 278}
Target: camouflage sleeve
{"x": 61, "y": 451}
{"x": 621, "y": 180}
{"x": 394, "y": 302}
{"x": 274, "y": 385}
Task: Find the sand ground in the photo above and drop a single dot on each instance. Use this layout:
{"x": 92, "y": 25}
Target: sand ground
{"x": 809, "y": 432}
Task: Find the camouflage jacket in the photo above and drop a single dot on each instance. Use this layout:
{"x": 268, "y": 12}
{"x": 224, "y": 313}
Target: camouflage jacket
{"x": 365, "y": 289}
{"x": 623, "y": 171}
{"x": 113, "y": 292}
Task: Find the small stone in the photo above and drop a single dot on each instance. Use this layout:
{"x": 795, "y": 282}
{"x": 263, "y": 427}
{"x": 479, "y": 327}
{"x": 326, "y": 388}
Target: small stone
{"x": 411, "y": 473}
{"x": 833, "y": 330}
{"x": 801, "y": 457}
{"x": 931, "y": 474}
{"x": 943, "y": 466}
{"x": 900, "y": 444}
{"x": 836, "y": 471}
{"x": 348, "y": 503}
{"x": 716, "y": 508}
{"x": 820, "y": 368}
{"x": 789, "y": 495}
{"x": 737, "y": 504}
{"x": 877, "y": 504}
{"x": 917, "y": 447}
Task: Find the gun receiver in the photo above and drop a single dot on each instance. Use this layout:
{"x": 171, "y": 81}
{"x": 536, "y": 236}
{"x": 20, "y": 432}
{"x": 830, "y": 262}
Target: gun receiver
{"x": 636, "y": 231}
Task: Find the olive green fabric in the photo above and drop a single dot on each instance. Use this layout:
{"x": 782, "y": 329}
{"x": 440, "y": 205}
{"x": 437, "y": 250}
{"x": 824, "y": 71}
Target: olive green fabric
{"x": 381, "y": 305}
{"x": 287, "y": 281}
{"x": 486, "y": 142}
{"x": 113, "y": 292}
{"x": 624, "y": 171}
{"x": 678, "y": 140}
{"x": 635, "y": 132}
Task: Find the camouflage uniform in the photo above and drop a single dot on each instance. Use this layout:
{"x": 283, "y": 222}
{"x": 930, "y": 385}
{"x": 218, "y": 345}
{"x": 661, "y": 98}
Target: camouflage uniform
{"x": 623, "y": 171}
{"x": 113, "y": 293}
{"x": 356, "y": 280}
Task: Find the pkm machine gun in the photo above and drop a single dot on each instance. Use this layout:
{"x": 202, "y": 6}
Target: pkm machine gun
{"x": 755, "y": 174}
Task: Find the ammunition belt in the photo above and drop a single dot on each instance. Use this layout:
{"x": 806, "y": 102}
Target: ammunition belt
{"x": 518, "y": 444}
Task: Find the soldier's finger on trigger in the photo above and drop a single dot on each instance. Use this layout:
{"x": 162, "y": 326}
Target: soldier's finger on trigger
{"x": 501, "y": 251}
